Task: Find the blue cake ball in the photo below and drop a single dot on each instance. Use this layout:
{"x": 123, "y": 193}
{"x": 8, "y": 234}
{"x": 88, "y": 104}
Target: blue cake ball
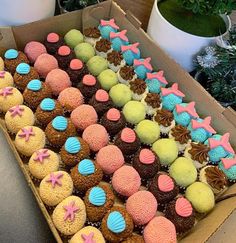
{"x": 228, "y": 166}
{"x": 119, "y": 39}
{"x": 155, "y": 81}
{"x": 142, "y": 67}
{"x": 106, "y": 27}
{"x": 130, "y": 53}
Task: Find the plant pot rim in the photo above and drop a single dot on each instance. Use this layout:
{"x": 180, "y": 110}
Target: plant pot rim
{"x": 225, "y": 17}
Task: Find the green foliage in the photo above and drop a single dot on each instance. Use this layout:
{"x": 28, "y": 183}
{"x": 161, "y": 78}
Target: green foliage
{"x": 209, "y": 7}
{"x": 71, "y": 5}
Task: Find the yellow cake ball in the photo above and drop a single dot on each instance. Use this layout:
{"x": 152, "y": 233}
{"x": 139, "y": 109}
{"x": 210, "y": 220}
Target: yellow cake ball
{"x": 18, "y": 117}
{"x": 6, "y": 79}
{"x": 1, "y": 64}
{"x": 166, "y": 149}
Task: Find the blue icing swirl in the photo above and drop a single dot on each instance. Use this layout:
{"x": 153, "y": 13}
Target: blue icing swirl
{"x": 23, "y": 68}
{"x": 47, "y": 104}
{"x": 116, "y": 222}
{"x": 72, "y": 145}
{"x": 60, "y": 123}
{"x": 97, "y": 196}
{"x": 86, "y": 167}
{"x": 34, "y": 85}
{"x": 11, "y": 54}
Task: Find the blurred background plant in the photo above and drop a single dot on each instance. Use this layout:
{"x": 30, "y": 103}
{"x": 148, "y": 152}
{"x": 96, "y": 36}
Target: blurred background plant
{"x": 216, "y": 66}
{"x": 71, "y": 5}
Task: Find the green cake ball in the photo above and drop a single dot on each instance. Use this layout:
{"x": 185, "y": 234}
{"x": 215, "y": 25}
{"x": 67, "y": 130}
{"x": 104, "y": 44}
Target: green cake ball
{"x": 108, "y": 79}
{"x": 166, "y": 149}
{"x": 134, "y": 112}
{"x": 84, "y": 51}
{"x": 120, "y": 94}
{"x": 96, "y": 65}
{"x": 201, "y": 197}
{"x": 73, "y": 38}
{"x": 183, "y": 172}
{"x": 148, "y": 131}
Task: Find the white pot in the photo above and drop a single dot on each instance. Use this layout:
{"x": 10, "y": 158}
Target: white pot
{"x": 178, "y": 44}
{"x": 17, "y": 12}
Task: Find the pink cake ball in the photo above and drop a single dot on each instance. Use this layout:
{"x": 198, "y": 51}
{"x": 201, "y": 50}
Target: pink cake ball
{"x": 70, "y": 98}
{"x": 58, "y": 80}
{"x": 126, "y": 181}
{"x": 142, "y": 207}
{"x": 96, "y": 136}
{"x": 110, "y": 159}
{"x": 44, "y": 64}
{"x": 160, "y": 230}
{"x": 84, "y": 116}
{"x": 33, "y": 49}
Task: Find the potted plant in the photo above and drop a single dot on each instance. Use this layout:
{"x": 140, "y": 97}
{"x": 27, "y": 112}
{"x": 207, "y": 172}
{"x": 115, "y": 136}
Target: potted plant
{"x": 25, "y": 11}
{"x": 72, "y": 5}
{"x": 216, "y": 69}
{"x": 183, "y": 27}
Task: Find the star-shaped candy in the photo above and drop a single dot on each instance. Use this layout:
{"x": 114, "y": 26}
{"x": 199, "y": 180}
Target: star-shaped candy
{"x": 26, "y": 133}
{"x": 159, "y": 76}
{"x": 2, "y": 74}
{"x": 174, "y": 89}
{"x": 189, "y": 108}
{"x": 88, "y": 238}
{"x": 228, "y": 162}
{"x": 224, "y": 142}
{"x": 55, "y": 179}
{"x": 41, "y": 155}
{"x": 71, "y": 209}
{"x": 6, "y": 91}
{"x": 203, "y": 124}
{"x": 16, "y": 111}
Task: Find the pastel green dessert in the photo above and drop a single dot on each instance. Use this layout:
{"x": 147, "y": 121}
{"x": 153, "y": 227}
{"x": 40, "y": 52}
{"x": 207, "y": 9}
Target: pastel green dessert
{"x": 120, "y": 94}
{"x": 84, "y": 51}
{"x": 134, "y": 112}
{"x": 201, "y": 197}
{"x": 108, "y": 79}
{"x": 183, "y": 172}
{"x": 73, "y": 38}
{"x": 96, "y": 65}
{"x": 148, "y": 131}
{"x": 166, "y": 149}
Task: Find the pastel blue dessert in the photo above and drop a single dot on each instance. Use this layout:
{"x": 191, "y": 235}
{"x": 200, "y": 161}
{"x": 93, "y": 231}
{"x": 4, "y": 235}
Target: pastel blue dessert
{"x": 142, "y": 67}
{"x": 118, "y": 39}
{"x": 184, "y": 113}
{"x": 106, "y": 27}
{"x": 201, "y": 130}
{"x": 130, "y": 53}
{"x": 228, "y": 166}
{"x": 171, "y": 97}
{"x": 155, "y": 81}
{"x": 219, "y": 147}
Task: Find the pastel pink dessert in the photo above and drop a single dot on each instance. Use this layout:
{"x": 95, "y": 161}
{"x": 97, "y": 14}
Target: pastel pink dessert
{"x": 160, "y": 230}
{"x": 96, "y": 136}
{"x": 142, "y": 207}
{"x": 44, "y": 64}
{"x": 110, "y": 159}
{"x": 84, "y": 116}
{"x": 58, "y": 80}
{"x": 70, "y": 98}
{"x": 126, "y": 181}
{"x": 33, "y": 50}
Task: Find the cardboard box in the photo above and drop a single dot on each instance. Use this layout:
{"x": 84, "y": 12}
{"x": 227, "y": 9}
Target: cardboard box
{"x": 223, "y": 120}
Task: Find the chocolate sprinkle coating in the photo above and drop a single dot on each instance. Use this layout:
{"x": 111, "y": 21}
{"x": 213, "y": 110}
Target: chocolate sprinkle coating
{"x": 103, "y": 45}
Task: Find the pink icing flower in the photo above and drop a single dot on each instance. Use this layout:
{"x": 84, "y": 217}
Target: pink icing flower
{"x": 55, "y": 179}
{"x": 26, "y": 133}
{"x": 16, "y": 111}
{"x": 71, "y": 209}
{"x": 41, "y": 155}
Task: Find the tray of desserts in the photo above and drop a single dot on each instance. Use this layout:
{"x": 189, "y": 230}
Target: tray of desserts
{"x": 112, "y": 151}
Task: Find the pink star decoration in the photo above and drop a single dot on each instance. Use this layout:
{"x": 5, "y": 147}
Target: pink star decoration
{"x": 88, "y": 238}
{"x": 71, "y": 209}
{"x": 204, "y": 124}
{"x": 159, "y": 76}
{"x": 174, "y": 89}
{"x": 133, "y": 48}
{"x": 55, "y": 179}
{"x": 224, "y": 142}
{"x": 26, "y": 133}
{"x": 121, "y": 35}
{"x": 110, "y": 22}
{"x": 6, "y": 91}
{"x": 2, "y": 74}
{"x": 16, "y": 111}
{"x": 41, "y": 155}
{"x": 228, "y": 162}
{"x": 189, "y": 108}
{"x": 146, "y": 63}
